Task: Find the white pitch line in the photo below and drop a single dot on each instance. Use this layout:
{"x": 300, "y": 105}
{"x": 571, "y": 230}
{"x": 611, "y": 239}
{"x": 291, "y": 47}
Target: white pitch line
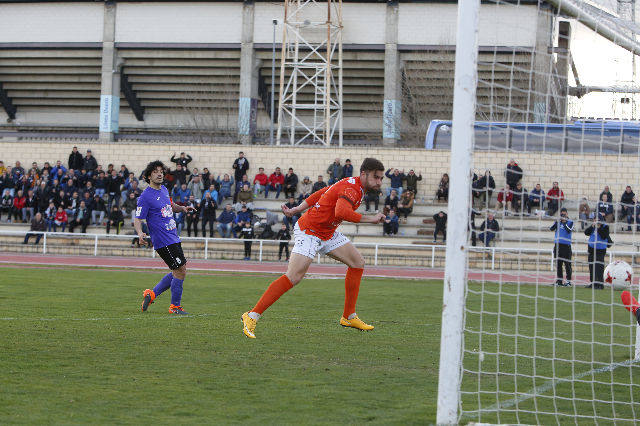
{"x": 539, "y": 390}
{"x": 106, "y": 318}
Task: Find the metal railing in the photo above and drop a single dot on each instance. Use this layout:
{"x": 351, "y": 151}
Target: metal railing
{"x": 427, "y": 250}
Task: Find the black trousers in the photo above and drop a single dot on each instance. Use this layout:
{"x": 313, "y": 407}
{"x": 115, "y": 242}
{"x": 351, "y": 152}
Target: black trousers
{"x": 247, "y": 248}
{"x": 192, "y": 223}
{"x": 284, "y": 246}
{"x": 563, "y": 254}
{"x": 439, "y": 229}
{"x": 596, "y": 265}
{"x": 210, "y": 220}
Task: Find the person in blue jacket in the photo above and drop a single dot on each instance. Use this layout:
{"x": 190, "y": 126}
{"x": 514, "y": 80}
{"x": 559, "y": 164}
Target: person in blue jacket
{"x": 563, "y": 228}
{"x": 598, "y": 234}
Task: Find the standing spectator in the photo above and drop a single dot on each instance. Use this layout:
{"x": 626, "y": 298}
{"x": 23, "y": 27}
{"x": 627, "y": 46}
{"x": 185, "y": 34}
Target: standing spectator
{"x": 605, "y": 210}
{"x": 99, "y": 209}
{"x": 129, "y": 206}
{"x": 599, "y": 239}
{"x": 193, "y": 216}
{"x": 290, "y": 184}
{"x": 334, "y": 171}
{"x": 196, "y": 188}
{"x": 124, "y": 172}
{"x": 19, "y": 202}
{"x": 293, "y": 219}
{"x": 89, "y": 163}
{"x": 306, "y": 189}
{"x": 319, "y": 184}
{"x": 260, "y": 183}
{"x": 50, "y": 216}
{"x": 505, "y": 200}
{"x": 484, "y": 188}
{"x": 390, "y": 225}
{"x": 555, "y": 197}
{"x": 248, "y": 235}
{"x": 520, "y": 198}
{"x": 284, "y": 237}
{"x": 180, "y": 175}
{"x": 412, "y": 181}
{"x": 513, "y": 173}
{"x": 245, "y": 198}
{"x": 225, "y": 221}
{"x": 396, "y": 181}
{"x": 6, "y": 204}
{"x": 536, "y": 198}
{"x": 584, "y": 212}
{"x": 626, "y": 203}
{"x": 38, "y": 226}
{"x": 608, "y": 193}
{"x": 208, "y": 208}
{"x": 405, "y": 205}
{"x": 126, "y": 186}
{"x": 489, "y": 228}
{"x": 182, "y": 161}
{"x": 116, "y": 219}
{"x": 636, "y": 215}
{"x": 276, "y": 181}
{"x": 226, "y": 185}
{"x": 244, "y": 181}
{"x": 563, "y": 228}
{"x": 206, "y": 177}
{"x": 113, "y": 189}
{"x": 81, "y": 218}
{"x": 75, "y": 159}
{"x": 347, "y": 169}
{"x": 372, "y": 196}
{"x": 60, "y": 220}
{"x": 391, "y": 202}
{"x": 441, "y": 226}
{"x": 240, "y": 166}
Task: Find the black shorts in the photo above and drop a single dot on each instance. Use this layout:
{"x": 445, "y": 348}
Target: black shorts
{"x": 172, "y": 255}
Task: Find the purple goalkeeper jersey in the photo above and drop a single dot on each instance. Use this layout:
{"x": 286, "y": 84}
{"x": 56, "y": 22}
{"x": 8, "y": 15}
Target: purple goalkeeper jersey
{"x": 154, "y": 206}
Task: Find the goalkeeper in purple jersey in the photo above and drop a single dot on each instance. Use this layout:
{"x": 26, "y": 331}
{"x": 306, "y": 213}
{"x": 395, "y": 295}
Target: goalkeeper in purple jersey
{"x": 155, "y": 206}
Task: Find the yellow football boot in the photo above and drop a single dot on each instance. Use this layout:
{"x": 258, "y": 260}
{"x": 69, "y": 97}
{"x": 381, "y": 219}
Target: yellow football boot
{"x": 355, "y": 323}
{"x": 248, "y": 325}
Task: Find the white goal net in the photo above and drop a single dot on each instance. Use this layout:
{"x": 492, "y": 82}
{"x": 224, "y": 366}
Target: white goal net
{"x": 545, "y": 163}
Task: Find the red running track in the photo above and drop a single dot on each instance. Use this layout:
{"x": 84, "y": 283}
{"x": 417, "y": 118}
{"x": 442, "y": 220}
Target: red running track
{"x": 12, "y": 259}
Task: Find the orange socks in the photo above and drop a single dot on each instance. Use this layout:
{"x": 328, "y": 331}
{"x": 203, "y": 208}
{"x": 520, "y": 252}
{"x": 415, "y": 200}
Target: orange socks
{"x": 273, "y": 293}
{"x": 351, "y": 288}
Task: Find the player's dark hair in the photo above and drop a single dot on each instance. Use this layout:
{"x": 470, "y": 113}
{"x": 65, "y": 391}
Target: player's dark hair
{"x": 371, "y": 165}
{"x": 150, "y": 168}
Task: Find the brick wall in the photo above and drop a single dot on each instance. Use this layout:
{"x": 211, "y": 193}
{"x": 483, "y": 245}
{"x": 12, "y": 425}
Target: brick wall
{"x": 579, "y": 175}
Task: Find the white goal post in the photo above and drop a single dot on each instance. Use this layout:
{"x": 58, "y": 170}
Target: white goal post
{"x": 535, "y": 346}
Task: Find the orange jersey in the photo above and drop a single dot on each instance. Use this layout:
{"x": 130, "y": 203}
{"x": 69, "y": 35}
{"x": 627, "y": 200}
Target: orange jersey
{"x": 324, "y": 215}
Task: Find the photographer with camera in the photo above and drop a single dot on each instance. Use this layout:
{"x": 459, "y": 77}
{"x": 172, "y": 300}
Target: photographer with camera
{"x": 599, "y": 240}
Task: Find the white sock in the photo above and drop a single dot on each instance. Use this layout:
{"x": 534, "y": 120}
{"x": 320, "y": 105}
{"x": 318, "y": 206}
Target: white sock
{"x": 254, "y": 315}
{"x": 352, "y": 316}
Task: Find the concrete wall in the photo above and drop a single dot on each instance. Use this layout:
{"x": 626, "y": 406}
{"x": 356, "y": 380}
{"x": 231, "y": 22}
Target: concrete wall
{"x": 185, "y": 22}
{"x": 576, "y": 173}
{"x": 48, "y": 22}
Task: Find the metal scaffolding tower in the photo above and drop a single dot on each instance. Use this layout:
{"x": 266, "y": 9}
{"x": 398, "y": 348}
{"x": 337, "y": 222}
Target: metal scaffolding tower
{"x": 310, "y": 101}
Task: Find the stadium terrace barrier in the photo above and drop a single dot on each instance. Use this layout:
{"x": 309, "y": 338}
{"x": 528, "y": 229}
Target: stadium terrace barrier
{"x": 379, "y": 255}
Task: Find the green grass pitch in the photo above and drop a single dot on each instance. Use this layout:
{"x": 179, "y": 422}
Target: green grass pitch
{"x": 76, "y": 349}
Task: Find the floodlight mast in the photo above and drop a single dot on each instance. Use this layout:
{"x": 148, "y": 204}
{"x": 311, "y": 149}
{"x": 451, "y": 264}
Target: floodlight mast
{"x": 310, "y": 97}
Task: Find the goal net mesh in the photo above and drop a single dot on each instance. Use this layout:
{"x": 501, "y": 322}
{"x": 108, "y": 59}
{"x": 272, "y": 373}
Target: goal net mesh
{"x": 535, "y": 352}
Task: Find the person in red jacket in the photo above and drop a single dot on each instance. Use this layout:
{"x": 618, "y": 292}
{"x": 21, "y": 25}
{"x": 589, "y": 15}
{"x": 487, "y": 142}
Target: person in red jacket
{"x": 276, "y": 181}
{"x": 555, "y": 197}
{"x": 505, "y": 199}
{"x": 19, "y": 203}
{"x": 260, "y": 183}
{"x": 60, "y": 220}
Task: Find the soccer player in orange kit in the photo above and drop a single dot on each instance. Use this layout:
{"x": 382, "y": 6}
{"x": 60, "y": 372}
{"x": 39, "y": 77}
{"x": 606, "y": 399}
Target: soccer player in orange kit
{"x": 315, "y": 232}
